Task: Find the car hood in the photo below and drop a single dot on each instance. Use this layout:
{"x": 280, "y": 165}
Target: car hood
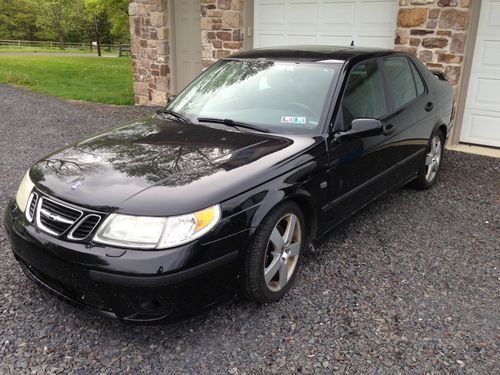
{"x": 163, "y": 167}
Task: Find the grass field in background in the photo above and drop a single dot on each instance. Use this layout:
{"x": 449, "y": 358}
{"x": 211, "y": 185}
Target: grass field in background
{"x": 94, "y": 79}
{"x": 10, "y": 49}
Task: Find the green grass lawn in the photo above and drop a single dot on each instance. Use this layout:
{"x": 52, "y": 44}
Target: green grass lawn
{"x": 94, "y": 79}
{"x": 10, "y": 49}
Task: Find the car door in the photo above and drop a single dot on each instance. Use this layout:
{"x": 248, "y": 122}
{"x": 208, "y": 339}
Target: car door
{"x": 412, "y": 114}
{"x": 361, "y": 168}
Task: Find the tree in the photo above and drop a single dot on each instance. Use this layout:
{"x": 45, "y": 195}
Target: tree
{"x": 64, "y": 20}
{"x": 17, "y": 19}
{"x": 116, "y": 13}
{"x": 57, "y": 17}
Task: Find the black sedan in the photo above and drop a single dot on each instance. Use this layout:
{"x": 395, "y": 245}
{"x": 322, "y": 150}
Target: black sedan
{"x": 228, "y": 186}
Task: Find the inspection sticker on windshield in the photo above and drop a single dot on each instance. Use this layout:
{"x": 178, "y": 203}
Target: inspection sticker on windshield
{"x": 293, "y": 120}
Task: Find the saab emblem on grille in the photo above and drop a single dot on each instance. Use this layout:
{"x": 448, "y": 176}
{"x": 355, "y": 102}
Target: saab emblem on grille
{"x": 53, "y": 217}
{"x": 76, "y": 185}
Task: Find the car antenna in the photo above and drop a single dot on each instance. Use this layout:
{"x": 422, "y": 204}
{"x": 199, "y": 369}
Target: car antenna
{"x": 352, "y": 43}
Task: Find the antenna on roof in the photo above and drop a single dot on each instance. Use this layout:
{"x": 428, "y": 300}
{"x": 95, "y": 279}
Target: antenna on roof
{"x": 352, "y": 43}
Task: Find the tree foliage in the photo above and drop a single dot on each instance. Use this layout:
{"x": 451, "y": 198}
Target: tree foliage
{"x": 59, "y": 17}
{"x": 116, "y": 11}
{"x": 64, "y": 20}
{"x": 17, "y": 19}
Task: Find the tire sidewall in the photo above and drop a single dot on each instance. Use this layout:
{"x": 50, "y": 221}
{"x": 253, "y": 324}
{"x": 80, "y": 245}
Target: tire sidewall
{"x": 255, "y": 283}
{"x": 421, "y": 179}
{"x": 436, "y": 176}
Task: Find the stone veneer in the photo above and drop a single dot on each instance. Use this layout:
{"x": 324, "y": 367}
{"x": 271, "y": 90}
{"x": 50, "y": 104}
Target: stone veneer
{"x": 435, "y": 32}
{"x": 221, "y": 34}
{"x": 150, "y": 49}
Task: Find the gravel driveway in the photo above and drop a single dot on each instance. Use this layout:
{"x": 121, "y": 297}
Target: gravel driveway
{"x": 410, "y": 285}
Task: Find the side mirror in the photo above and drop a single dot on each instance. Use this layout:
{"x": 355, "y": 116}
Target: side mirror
{"x": 170, "y": 98}
{"x": 362, "y": 127}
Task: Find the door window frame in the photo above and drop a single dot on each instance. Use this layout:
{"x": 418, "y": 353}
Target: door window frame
{"x": 337, "y": 123}
{"x": 420, "y": 74}
{"x": 393, "y": 111}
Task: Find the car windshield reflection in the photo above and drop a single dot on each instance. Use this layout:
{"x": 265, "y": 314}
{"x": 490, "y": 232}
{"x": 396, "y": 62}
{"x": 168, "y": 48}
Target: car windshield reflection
{"x": 284, "y": 97}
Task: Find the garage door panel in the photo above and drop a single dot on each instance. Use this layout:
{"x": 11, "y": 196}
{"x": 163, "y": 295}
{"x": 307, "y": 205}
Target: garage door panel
{"x": 302, "y": 39}
{"x": 483, "y": 128}
{"x": 481, "y": 123}
{"x": 490, "y": 54}
{"x": 336, "y": 16}
{"x": 303, "y": 15}
{"x": 491, "y": 18}
{"x": 377, "y": 15}
{"x": 269, "y": 15}
{"x": 376, "y": 41}
{"x": 269, "y": 40}
{"x": 325, "y": 22}
{"x": 336, "y": 40}
{"x": 484, "y": 93}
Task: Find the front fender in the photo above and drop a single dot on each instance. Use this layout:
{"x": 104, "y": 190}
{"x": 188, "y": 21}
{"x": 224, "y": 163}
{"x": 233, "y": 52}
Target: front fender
{"x": 301, "y": 183}
{"x": 300, "y": 196}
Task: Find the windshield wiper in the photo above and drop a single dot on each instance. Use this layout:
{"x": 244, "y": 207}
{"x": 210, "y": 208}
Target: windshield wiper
{"x": 178, "y": 116}
{"x": 233, "y": 124}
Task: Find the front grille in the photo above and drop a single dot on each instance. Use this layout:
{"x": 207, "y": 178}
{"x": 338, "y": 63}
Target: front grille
{"x": 54, "y": 217}
{"x": 83, "y": 229}
{"x": 61, "y": 219}
{"x": 30, "y": 212}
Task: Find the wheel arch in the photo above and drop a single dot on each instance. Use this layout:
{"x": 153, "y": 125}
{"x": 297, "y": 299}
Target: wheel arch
{"x": 302, "y": 198}
{"x": 309, "y": 212}
{"x": 443, "y": 129}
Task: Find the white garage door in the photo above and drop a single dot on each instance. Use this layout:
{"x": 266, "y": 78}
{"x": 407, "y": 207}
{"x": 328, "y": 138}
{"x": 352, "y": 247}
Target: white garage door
{"x": 370, "y": 23}
{"x": 481, "y": 123}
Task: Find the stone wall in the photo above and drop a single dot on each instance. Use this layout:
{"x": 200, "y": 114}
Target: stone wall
{"x": 221, "y": 33}
{"x": 150, "y": 48}
{"x": 435, "y": 32}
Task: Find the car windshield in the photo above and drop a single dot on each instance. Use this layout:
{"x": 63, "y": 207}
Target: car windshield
{"x": 283, "y": 97}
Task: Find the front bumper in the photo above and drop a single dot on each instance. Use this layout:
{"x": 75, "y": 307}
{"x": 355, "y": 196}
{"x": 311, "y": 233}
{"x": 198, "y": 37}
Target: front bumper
{"x": 131, "y": 285}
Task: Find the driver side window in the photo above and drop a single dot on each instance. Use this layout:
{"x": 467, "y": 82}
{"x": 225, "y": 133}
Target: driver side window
{"x": 364, "y": 93}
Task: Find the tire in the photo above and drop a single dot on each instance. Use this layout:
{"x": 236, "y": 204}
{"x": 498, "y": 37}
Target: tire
{"x": 274, "y": 257}
{"x": 426, "y": 177}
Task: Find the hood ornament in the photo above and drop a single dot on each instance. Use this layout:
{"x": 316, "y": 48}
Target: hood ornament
{"x": 76, "y": 185}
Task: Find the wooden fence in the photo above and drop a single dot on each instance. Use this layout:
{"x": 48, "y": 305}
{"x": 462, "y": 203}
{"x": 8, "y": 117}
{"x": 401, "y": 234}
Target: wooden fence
{"x": 121, "y": 49}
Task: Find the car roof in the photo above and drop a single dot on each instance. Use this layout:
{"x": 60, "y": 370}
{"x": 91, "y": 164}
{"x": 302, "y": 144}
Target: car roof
{"x": 313, "y": 53}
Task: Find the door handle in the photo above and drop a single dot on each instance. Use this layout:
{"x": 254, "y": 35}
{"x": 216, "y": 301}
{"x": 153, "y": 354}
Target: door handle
{"x": 388, "y": 129}
{"x": 429, "y": 106}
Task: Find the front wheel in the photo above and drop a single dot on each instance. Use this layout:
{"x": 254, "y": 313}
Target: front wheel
{"x": 428, "y": 173}
{"x": 273, "y": 260}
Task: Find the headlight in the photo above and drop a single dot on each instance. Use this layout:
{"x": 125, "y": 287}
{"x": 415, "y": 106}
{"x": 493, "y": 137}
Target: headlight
{"x": 24, "y": 191}
{"x": 156, "y": 232}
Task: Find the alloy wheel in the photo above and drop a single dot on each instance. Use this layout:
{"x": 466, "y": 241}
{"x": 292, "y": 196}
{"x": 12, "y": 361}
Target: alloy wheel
{"x": 282, "y": 253}
{"x": 433, "y": 158}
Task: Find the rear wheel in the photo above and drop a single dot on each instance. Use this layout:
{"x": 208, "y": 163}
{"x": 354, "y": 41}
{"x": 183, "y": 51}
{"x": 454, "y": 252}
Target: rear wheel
{"x": 429, "y": 172}
{"x": 273, "y": 260}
